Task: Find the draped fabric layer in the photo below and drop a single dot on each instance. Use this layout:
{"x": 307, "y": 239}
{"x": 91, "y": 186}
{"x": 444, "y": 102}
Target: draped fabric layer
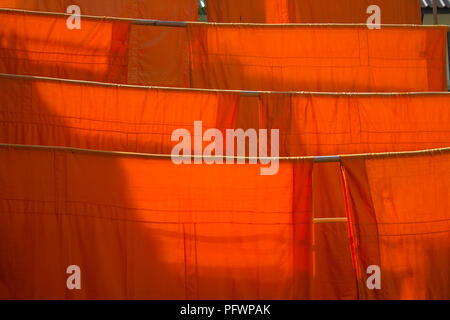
{"x": 353, "y": 124}
{"x": 142, "y": 227}
{"x": 318, "y": 58}
{"x": 331, "y": 239}
{"x": 173, "y": 10}
{"x": 280, "y": 58}
{"x": 53, "y": 113}
{"x": 91, "y": 116}
{"x": 43, "y": 45}
{"x": 106, "y": 213}
{"x": 401, "y": 221}
{"x": 159, "y": 56}
{"x": 254, "y": 11}
{"x": 148, "y": 229}
{"x": 313, "y": 11}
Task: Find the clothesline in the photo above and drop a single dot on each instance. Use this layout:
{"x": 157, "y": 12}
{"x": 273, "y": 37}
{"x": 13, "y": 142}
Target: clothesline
{"x": 320, "y": 159}
{"x": 243, "y": 92}
{"x": 162, "y": 23}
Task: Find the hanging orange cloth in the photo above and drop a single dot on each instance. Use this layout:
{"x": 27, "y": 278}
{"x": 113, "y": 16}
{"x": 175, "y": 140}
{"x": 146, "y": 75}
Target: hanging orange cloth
{"x": 158, "y": 56}
{"x": 313, "y": 11}
{"x": 173, "y": 10}
{"x": 334, "y": 277}
{"x": 143, "y": 228}
{"x": 328, "y": 124}
{"x": 279, "y": 58}
{"x": 318, "y": 58}
{"x": 354, "y": 11}
{"x": 43, "y": 45}
{"x": 91, "y": 116}
{"x": 80, "y": 115}
{"x": 255, "y": 11}
{"x": 401, "y": 220}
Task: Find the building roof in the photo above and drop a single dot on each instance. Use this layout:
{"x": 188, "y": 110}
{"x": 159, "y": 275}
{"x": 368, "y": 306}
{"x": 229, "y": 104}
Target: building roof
{"x": 440, "y": 3}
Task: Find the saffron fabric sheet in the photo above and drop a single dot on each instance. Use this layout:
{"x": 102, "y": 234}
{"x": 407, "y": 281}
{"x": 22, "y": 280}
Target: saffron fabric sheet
{"x": 232, "y": 234}
{"x": 43, "y": 45}
{"x": 118, "y": 216}
{"x": 185, "y": 10}
{"x": 148, "y": 229}
{"x": 318, "y": 58}
{"x": 400, "y": 210}
{"x": 91, "y": 116}
{"x": 354, "y": 124}
{"x": 40, "y": 112}
{"x": 54, "y": 112}
{"x": 241, "y": 57}
{"x": 313, "y": 11}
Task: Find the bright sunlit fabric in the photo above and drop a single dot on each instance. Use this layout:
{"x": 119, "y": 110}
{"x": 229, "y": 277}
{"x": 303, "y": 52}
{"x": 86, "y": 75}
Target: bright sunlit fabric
{"x": 315, "y": 124}
{"x": 173, "y": 10}
{"x": 43, "y": 45}
{"x": 318, "y": 58}
{"x": 91, "y": 116}
{"x": 148, "y": 229}
{"x": 241, "y": 57}
{"x": 313, "y": 11}
{"x": 401, "y": 219}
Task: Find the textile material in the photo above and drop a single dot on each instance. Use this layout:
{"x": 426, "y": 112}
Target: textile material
{"x": 318, "y": 58}
{"x": 43, "y": 45}
{"x": 118, "y": 217}
{"x": 221, "y": 232}
{"x": 174, "y": 10}
{"x": 254, "y": 11}
{"x": 334, "y": 276}
{"x": 400, "y": 208}
{"x": 89, "y": 116}
{"x": 281, "y": 58}
{"x": 53, "y": 113}
{"x": 158, "y": 56}
{"x": 314, "y": 124}
{"x": 69, "y": 206}
{"x": 312, "y": 11}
